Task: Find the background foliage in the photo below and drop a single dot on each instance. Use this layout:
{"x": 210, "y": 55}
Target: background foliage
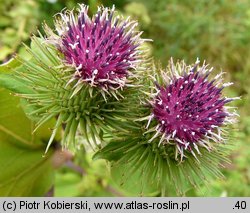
{"x": 215, "y": 30}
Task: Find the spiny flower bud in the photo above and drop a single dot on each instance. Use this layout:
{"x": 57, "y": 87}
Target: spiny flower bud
{"x": 189, "y": 108}
{"x": 103, "y": 49}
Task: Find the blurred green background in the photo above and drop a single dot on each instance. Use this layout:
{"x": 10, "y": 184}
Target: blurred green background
{"x": 217, "y": 31}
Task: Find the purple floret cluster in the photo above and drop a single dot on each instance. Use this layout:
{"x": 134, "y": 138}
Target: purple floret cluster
{"x": 190, "y": 107}
{"x": 102, "y": 49}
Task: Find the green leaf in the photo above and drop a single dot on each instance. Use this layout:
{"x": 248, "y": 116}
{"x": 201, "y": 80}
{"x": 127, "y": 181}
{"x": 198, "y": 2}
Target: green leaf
{"x": 24, "y": 171}
{"x": 9, "y": 66}
{"x": 4, "y": 52}
{"x": 14, "y": 123}
{"x": 9, "y": 81}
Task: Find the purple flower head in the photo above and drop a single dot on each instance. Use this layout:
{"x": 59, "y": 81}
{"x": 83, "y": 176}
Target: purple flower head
{"x": 190, "y": 108}
{"x": 103, "y": 49}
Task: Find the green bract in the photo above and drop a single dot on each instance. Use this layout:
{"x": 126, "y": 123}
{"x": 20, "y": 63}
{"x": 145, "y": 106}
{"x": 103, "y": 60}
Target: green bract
{"x": 48, "y": 95}
{"x": 158, "y": 166}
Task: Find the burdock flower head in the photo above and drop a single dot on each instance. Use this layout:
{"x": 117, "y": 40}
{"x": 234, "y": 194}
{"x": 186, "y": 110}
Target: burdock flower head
{"x": 103, "y": 50}
{"x": 179, "y": 137}
{"x": 81, "y": 73}
{"x": 190, "y": 109}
